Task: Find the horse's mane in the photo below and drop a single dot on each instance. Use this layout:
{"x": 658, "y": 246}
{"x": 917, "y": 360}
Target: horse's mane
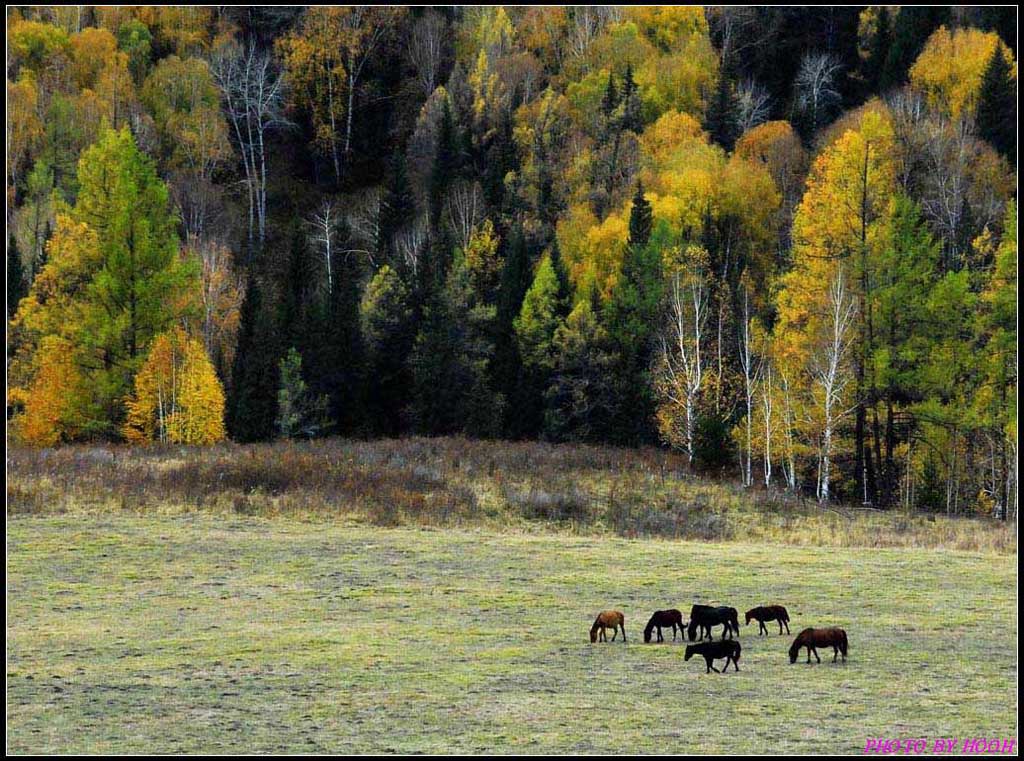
{"x": 794, "y": 649}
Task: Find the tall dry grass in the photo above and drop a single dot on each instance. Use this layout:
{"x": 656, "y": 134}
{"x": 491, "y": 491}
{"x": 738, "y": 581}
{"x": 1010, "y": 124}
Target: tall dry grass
{"x": 525, "y": 486}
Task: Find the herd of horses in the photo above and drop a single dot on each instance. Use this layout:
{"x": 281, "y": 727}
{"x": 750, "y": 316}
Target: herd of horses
{"x": 703, "y": 619}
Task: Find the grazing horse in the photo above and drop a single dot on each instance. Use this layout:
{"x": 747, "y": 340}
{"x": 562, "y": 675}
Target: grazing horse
{"x": 608, "y": 619}
{"x": 662, "y": 618}
{"x": 812, "y": 639}
{"x": 705, "y": 617}
{"x": 716, "y": 651}
{"x": 769, "y": 613}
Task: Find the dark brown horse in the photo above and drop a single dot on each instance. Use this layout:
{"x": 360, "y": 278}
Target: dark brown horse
{"x": 673, "y": 618}
{"x": 812, "y": 639}
{"x": 716, "y": 651}
{"x": 769, "y": 613}
{"x": 608, "y": 619}
{"x": 705, "y": 617}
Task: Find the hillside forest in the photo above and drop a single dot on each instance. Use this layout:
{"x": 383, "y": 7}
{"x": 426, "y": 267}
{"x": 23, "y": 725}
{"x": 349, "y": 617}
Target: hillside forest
{"x": 779, "y": 240}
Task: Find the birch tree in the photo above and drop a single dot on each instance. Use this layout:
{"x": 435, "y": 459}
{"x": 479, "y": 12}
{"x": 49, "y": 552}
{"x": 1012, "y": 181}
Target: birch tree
{"x": 252, "y": 90}
{"x": 323, "y": 236}
{"x": 829, "y": 369}
{"x": 681, "y": 369}
{"x": 751, "y": 369}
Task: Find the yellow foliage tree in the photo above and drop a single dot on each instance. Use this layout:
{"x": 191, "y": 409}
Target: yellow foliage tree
{"x": 178, "y": 398}
{"x": 950, "y": 68}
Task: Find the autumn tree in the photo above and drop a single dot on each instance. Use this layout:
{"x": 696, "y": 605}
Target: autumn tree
{"x": 314, "y": 64}
{"x": 177, "y": 397}
{"x": 114, "y": 278}
{"x": 840, "y": 223}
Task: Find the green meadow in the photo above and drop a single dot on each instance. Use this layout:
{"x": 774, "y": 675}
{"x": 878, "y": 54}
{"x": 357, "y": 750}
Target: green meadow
{"x": 210, "y": 633}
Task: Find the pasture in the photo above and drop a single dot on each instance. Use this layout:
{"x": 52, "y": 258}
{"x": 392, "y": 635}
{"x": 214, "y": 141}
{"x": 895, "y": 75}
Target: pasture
{"x": 192, "y": 632}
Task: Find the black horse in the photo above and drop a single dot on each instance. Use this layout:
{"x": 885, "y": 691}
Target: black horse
{"x": 769, "y": 613}
{"x": 716, "y": 651}
{"x": 673, "y": 618}
{"x": 705, "y": 617}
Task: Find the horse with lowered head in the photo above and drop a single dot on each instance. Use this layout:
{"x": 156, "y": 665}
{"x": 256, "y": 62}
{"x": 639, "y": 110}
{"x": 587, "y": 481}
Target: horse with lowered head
{"x": 662, "y": 618}
{"x": 812, "y": 639}
{"x": 608, "y": 619}
{"x": 705, "y": 617}
{"x": 716, "y": 650}
{"x": 769, "y": 613}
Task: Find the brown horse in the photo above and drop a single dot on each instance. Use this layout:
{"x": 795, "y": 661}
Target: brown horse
{"x": 608, "y": 619}
{"x": 662, "y": 618}
{"x": 769, "y": 613}
{"x": 812, "y": 639}
{"x": 730, "y": 650}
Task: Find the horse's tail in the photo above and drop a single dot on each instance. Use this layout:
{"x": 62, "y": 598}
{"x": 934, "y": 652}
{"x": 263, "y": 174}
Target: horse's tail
{"x": 843, "y": 644}
{"x": 785, "y": 615}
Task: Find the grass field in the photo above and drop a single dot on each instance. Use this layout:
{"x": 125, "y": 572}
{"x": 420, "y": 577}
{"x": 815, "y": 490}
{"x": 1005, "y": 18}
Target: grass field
{"x": 199, "y": 632}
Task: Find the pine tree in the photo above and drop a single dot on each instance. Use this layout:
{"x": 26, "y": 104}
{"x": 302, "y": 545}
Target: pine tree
{"x": 442, "y": 173}
{"x": 632, "y": 117}
{"x": 300, "y": 412}
{"x": 879, "y": 49}
{"x": 640, "y": 220}
{"x": 997, "y": 106}
{"x": 629, "y": 317}
{"x": 451, "y": 361}
{"x": 580, "y": 398}
{"x": 910, "y": 31}
{"x": 387, "y": 329}
{"x": 535, "y": 327}
{"x": 397, "y": 207}
{"x": 16, "y": 288}
{"x": 252, "y": 408}
{"x": 721, "y": 120}
{"x": 610, "y": 100}
{"x": 506, "y": 369}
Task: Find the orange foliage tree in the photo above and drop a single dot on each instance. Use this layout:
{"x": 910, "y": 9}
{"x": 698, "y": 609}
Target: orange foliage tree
{"x": 178, "y": 398}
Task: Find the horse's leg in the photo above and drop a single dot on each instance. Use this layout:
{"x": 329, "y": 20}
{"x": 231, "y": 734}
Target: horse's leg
{"x": 623, "y": 631}
{"x": 787, "y": 627}
{"x": 712, "y": 667}
{"x": 660, "y": 638}
{"x": 615, "y": 632}
{"x": 808, "y": 653}
{"x": 835, "y": 653}
{"x": 816, "y": 655}
{"x": 761, "y": 628}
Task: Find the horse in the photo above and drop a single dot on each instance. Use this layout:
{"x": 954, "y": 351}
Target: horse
{"x": 769, "y": 613}
{"x": 608, "y": 619}
{"x": 705, "y": 617}
{"x": 812, "y": 639}
{"x": 716, "y": 651}
{"x": 662, "y": 618}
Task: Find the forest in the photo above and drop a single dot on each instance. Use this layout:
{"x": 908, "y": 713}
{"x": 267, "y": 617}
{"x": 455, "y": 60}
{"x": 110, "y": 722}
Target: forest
{"x": 781, "y": 241}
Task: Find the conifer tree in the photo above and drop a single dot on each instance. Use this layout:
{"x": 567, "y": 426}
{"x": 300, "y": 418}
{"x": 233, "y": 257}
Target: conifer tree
{"x": 16, "y": 288}
{"x": 996, "y": 116}
{"x": 252, "y": 408}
